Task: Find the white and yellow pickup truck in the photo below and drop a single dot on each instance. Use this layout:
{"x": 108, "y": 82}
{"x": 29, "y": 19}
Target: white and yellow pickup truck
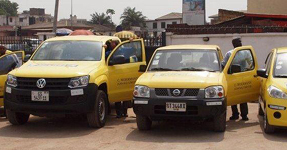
{"x": 188, "y": 82}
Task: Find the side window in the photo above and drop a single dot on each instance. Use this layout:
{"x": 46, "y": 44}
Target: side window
{"x": 9, "y": 62}
{"x": 268, "y": 63}
{"x": 131, "y": 51}
{"x": 244, "y": 59}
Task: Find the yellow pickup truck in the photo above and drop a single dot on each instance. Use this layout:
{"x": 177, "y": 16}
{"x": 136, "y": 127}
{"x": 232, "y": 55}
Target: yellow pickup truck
{"x": 273, "y": 95}
{"x": 188, "y": 82}
{"x": 74, "y": 75}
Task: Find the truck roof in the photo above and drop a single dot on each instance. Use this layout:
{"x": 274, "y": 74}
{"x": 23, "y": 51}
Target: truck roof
{"x": 84, "y": 38}
{"x": 282, "y": 50}
{"x": 188, "y": 47}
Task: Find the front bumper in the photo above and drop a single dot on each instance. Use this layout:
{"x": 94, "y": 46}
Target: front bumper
{"x": 60, "y": 101}
{"x": 197, "y": 109}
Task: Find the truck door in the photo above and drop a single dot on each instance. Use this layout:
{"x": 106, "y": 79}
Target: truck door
{"x": 123, "y": 66}
{"x": 241, "y": 75}
{"x": 8, "y": 63}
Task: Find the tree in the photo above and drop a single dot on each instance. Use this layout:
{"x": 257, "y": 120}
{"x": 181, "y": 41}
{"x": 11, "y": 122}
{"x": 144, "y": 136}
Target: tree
{"x": 101, "y": 19}
{"x": 131, "y": 17}
{"x": 110, "y": 12}
{"x": 8, "y": 8}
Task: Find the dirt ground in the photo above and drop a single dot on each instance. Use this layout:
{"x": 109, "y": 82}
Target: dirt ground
{"x": 122, "y": 134}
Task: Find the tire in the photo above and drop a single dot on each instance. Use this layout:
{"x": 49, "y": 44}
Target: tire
{"x": 17, "y": 118}
{"x": 220, "y": 123}
{"x": 143, "y": 123}
{"x": 260, "y": 110}
{"x": 97, "y": 118}
{"x": 268, "y": 129}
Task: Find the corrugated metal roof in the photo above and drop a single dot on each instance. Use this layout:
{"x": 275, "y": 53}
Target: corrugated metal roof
{"x": 169, "y": 16}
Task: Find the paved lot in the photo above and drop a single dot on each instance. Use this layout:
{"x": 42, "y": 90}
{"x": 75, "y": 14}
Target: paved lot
{"x": 122, "y": 134}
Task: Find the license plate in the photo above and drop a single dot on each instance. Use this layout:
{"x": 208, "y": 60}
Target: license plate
{"x": 40, "y": 96}
{"x": 176, "y": 107}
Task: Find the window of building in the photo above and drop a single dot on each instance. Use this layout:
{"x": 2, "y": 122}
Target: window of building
{"x": 21, "y": 19}
{"x": 154, "y": 25}
{"x": 163, "y": 25}
{"x": 11, "y": 19}
{"x": 174, "y": 22}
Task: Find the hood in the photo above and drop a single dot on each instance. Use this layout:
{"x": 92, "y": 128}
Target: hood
{"x": 280, "y": 83}
{"x": 55, "y": 69}
{"x": 179, "y": 79}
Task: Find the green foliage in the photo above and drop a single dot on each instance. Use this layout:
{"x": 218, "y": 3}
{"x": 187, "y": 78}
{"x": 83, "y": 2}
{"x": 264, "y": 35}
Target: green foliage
{"x": 131, "y": 17}
{"x": 110, "y": 12}
{"x": 101, "y": 19}
{"x": 8, "y": 8}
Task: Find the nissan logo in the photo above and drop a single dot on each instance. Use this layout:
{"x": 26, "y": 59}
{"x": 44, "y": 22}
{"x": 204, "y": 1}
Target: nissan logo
{"x": 41, "y": 83}
{"x": 176, "y": 92}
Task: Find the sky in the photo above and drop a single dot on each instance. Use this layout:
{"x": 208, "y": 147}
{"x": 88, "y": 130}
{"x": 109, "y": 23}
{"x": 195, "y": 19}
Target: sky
{"x": 152, "y": 9}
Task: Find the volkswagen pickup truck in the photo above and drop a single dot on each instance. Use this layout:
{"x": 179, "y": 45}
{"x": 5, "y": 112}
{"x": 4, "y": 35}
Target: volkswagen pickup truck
{"x": 188, "y": 82}
{"x": 273, "y": 93}
{"x": 74, "y": 75}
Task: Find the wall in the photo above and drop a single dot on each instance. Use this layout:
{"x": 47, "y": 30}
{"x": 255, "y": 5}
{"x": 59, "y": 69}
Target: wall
{"x": 263, "y": 43}
{"x": 267, "y": 6}
{"x": 149, "y": 25}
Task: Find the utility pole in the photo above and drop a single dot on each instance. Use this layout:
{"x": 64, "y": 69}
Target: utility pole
{"x": 71, "y": 14}
{"x": 56, "y": 16}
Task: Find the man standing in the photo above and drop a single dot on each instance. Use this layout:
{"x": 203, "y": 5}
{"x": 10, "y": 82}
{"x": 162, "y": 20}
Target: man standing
{"x": 3, "y": 50}
{"x": 243, "y": 107}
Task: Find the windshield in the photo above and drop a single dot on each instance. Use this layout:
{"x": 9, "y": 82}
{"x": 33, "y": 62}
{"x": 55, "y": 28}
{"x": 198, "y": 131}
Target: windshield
{"x": 281, "y": 65}
{"x": 69, "y": 51}
{"x": 185, "y": 60}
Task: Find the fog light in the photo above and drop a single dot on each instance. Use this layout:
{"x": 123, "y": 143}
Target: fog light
{"x": 213, "y": 103}
{"x": 277, "y": 115}
{"x": 141, "y": 102}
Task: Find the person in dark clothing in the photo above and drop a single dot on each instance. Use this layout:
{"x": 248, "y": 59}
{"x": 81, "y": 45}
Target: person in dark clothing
{"x": 243, "y": 107}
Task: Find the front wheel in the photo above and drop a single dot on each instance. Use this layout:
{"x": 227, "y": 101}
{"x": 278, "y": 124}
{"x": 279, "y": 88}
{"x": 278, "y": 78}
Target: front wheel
{"x": 143, "y": 123}
{"x": 97, "y": 118}
{"x": 268, "y": 129}
{"x": 17, "y": 118}
{"x": 260, "y": 110}
{"x": 220, "y": 123}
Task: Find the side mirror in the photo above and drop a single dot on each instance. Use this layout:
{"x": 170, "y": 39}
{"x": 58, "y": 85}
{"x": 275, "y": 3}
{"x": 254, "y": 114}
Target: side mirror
{"x": 116, "y": 60}
{"x": 235, "y": 69}
{"x": 262, "y": 73}
{"x": 142, "y": 68}
{"x": 27, "y": 57}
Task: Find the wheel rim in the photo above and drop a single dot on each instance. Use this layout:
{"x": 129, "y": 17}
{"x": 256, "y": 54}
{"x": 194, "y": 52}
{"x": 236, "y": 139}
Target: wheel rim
{"x": 102, "y": 109}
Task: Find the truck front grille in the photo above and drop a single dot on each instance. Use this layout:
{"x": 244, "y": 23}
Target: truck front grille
{"x": 184, "y": 92}
{"x": 51, "y": 83}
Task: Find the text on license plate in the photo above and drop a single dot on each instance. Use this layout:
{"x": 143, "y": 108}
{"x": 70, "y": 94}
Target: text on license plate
{"x": 40, "y": 96}
{"x": 176, "y": 107}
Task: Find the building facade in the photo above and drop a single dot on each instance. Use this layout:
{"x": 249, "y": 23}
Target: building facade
{"x": 157, "y": 26}
{"x": 276, "y": 7}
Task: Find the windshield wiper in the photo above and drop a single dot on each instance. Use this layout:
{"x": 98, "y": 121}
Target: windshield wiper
{"x": 162, "y": 69}
{"x": 281, "y": 76}
{"x": 196, "y": 69}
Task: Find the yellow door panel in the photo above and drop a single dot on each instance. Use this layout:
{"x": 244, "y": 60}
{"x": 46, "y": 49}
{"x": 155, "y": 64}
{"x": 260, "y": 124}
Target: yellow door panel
{"x": 122, "y": 77}
{"x": 2, "y": 84}
{"x": 243, "y": 85}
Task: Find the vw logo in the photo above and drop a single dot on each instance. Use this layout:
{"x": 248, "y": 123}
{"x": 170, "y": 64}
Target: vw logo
{"x": 176, "y": 92}
{"x": 41, "y": 83}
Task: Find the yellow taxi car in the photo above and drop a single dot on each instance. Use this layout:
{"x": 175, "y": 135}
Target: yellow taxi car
{"x": 9, "y": 61}
{"x": 188, "y": 82}
{"x": 74, "y": 75}
{"x": 273, "y": 94}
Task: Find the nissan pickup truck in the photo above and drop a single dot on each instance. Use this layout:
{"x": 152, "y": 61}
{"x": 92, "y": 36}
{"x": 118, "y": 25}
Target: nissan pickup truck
{"x": 273, "y": 93}
{"x": 188, "y": 82}
{"x": 74, "y": 75}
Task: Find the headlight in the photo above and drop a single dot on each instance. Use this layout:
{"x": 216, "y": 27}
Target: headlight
{"x": 11, "y": 80}
{"x": 276, "y": 93}
{"x": 142, "y": 91}
{"x": 79, "y": 82}
{"x": 214, "y": 92}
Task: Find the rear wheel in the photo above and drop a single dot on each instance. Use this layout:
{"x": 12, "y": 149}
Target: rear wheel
{"x": 17, "y": 118}
{"x": 260, "y": 110}
{"x": 220, "y": 123}
{"x": 268, "y": 129}
{"x": 143, "y": 123}
{"x": 97, "y": 118}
